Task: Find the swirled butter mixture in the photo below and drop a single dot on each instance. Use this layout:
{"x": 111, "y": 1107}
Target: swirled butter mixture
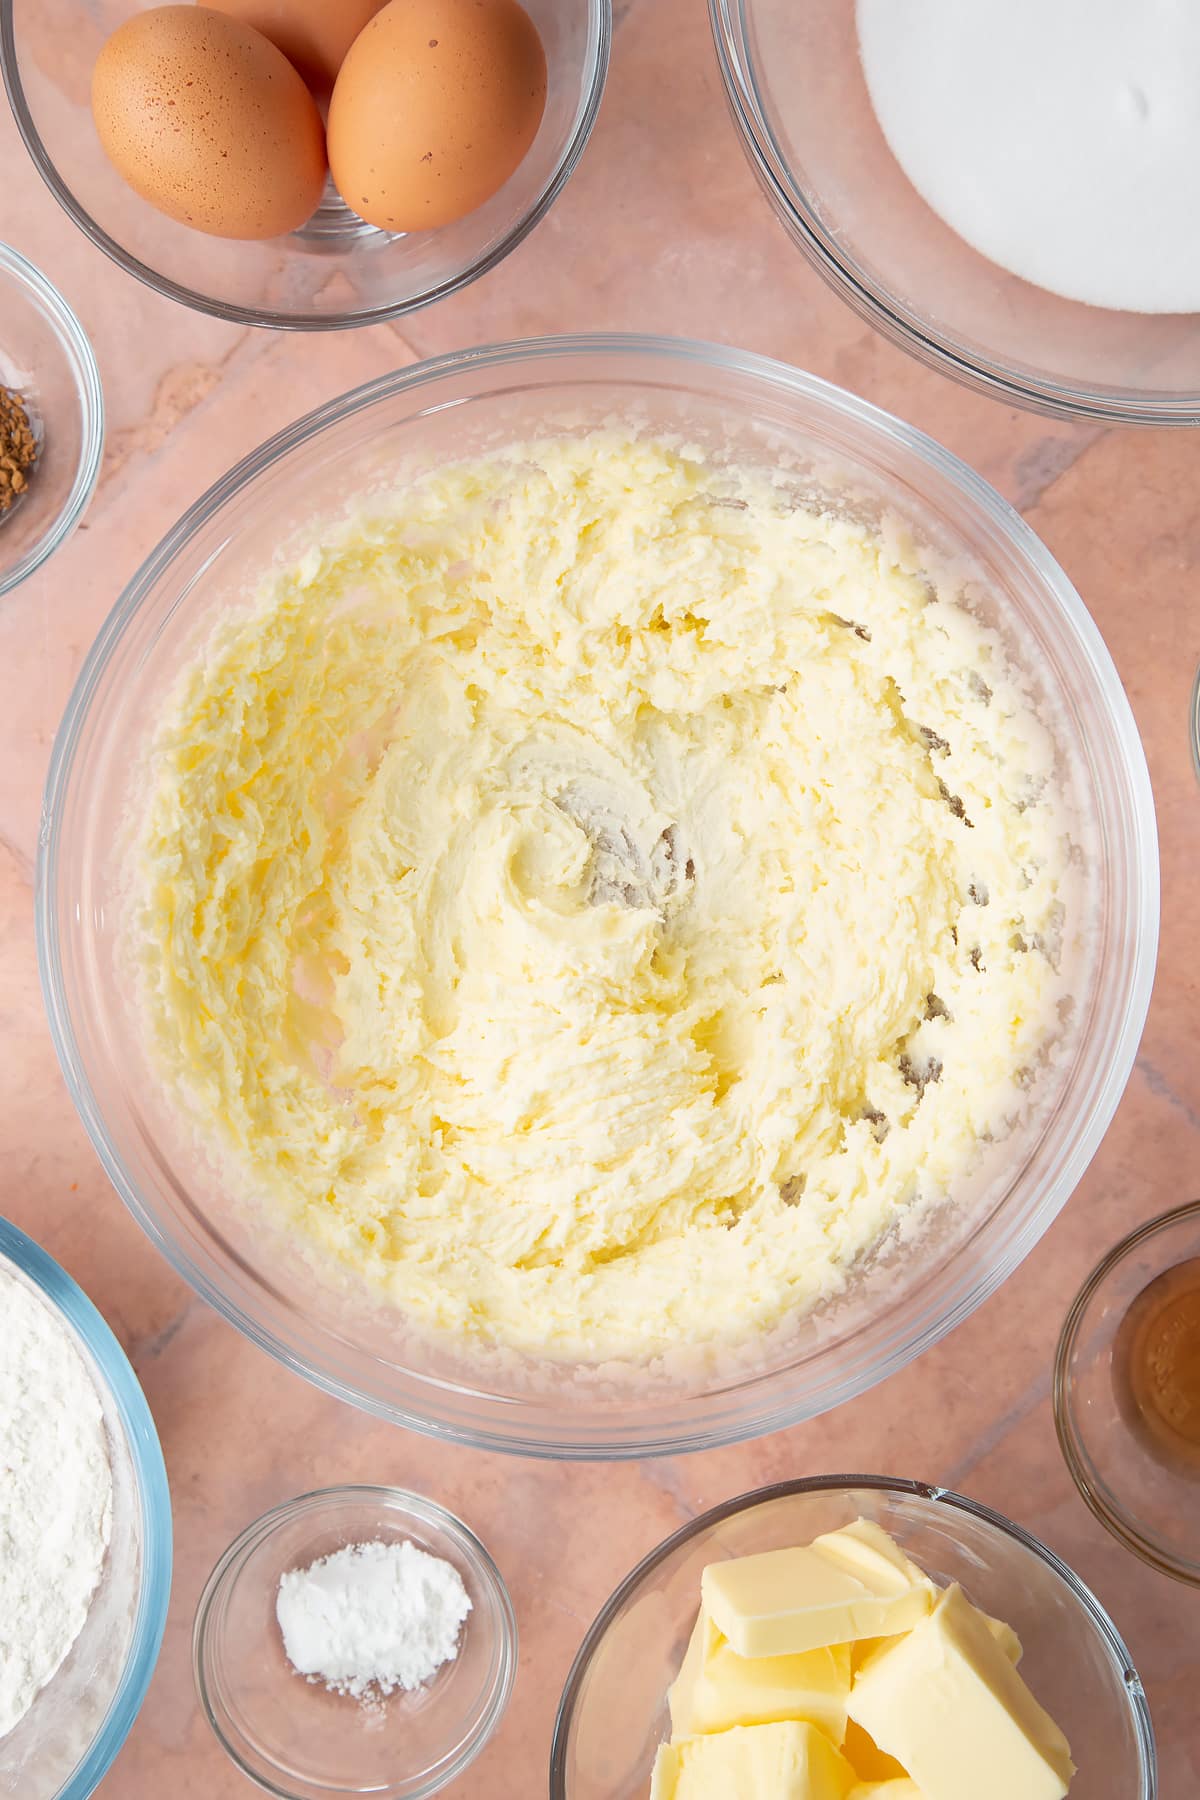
{"x": 596, "y": 897}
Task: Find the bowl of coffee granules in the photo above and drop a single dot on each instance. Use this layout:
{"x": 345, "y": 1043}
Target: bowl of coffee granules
{"x": 18, "y": 449}
{"x": 51, "y": 419}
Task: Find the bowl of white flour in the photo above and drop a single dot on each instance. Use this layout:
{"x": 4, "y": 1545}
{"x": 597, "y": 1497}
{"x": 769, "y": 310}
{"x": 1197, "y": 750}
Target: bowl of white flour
{"x": 85, "y": 1521}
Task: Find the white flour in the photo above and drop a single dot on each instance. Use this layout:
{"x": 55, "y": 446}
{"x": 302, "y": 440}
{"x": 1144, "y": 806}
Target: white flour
{"x": 55, "y": 1496}
{"x": 373, "y": 1616}
{"x": 1059, "y": 137}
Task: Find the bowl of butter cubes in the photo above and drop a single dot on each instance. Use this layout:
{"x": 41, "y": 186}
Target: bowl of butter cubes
{"x": 853, "y": 1638}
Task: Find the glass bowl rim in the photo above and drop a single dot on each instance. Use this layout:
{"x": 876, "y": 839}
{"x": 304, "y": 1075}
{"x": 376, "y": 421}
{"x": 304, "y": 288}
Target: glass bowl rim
{"x": 830, "y": 1484}
{"x": 78, "y": 353}
{"x": 876, "y": 304}
{"x": 594, "y": 79}
{"x": 154, "y": 1499}
{"x": 1080, "y": 1467}
{"x": 532, "y": 355}
{"x": 430, "y": 1512}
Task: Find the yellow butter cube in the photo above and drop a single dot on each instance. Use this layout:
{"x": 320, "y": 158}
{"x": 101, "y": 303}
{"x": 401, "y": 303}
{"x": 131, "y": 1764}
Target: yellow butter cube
{"x": 681, "y": 1690}
{"x": 665, "y": 1773}
{"x": 1004, "y": 1635}
{"x": 870, "y": 1762}
{"x": 867, "y": 1549}
{"x": 948, "y": 1704}
{"x": 716, "y": 1688}
{"x": 787, "y": 1760}
{"x": 899, "y": 1788}
{"x": 849, "y": 1584}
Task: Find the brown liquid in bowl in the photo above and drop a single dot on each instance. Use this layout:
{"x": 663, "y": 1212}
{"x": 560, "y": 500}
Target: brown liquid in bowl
{"x": 1156, "y": 1368}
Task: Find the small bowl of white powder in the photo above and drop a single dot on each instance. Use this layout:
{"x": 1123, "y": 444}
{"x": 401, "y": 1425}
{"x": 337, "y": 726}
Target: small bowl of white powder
{"x": 85, "y": 1533}
{"x": 357, "y": 1640}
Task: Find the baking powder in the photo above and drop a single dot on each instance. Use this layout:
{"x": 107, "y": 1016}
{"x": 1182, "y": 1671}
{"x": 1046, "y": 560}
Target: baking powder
{"x": 55, "y": 1495}
{"x": 374, "y": 1616}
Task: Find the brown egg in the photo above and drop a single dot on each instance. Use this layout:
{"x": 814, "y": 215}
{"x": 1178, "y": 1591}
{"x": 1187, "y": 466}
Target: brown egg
{"x": 436, "y": 104}
{"x": 314, "y": 35}
{"x": 209, "y": 122}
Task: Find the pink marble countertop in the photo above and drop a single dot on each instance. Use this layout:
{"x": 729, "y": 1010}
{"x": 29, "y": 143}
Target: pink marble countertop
{"x": 661, "y": 229}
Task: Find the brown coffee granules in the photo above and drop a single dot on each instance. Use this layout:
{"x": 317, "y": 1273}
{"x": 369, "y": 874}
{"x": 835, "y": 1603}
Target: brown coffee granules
{"x": 18, "y": 448}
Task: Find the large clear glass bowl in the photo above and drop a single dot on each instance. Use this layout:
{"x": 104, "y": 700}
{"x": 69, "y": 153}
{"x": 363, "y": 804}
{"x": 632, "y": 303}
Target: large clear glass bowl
{"x": 800, "y": 102}
{"x": 613, "y": 1712}
{"x": 336, "y": 270}
{"x": 64, "y": 1745}
{"x": 833, "y": 445}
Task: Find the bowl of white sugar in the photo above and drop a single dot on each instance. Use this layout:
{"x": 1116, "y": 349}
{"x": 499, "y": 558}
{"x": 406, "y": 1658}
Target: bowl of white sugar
{"x": 1005, "y": 189}
{"x": 357, "y": 1640}
{"x": 85, "y": 1521}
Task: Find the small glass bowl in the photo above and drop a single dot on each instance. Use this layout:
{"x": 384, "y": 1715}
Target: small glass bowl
{"x": 292, "y": 1736}
{"x": 1149, "y": 1506}
{"x": 336, "y": 271}
{"x": 45, "y": 357}
{"x": 66, "y": 1742}
{"x": 613, "y": 1713}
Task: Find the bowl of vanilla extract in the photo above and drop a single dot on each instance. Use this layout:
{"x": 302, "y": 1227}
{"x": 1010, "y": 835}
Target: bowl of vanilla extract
{"x": 1127, "y": 1392}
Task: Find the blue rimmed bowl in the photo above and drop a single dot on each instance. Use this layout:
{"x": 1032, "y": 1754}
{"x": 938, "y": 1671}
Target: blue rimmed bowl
{"x": 67, "y": 1740}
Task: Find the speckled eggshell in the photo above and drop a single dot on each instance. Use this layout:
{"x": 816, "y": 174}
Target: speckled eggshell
{"x": 209, "y": 122}
{"x": 436, "y": 104}
{"x": 314, "y": 35}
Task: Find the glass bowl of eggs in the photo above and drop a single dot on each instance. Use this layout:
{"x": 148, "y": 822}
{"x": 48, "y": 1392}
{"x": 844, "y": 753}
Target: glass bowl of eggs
{"x": 290, "y": 164}
{"x": 1040, "y": 260}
